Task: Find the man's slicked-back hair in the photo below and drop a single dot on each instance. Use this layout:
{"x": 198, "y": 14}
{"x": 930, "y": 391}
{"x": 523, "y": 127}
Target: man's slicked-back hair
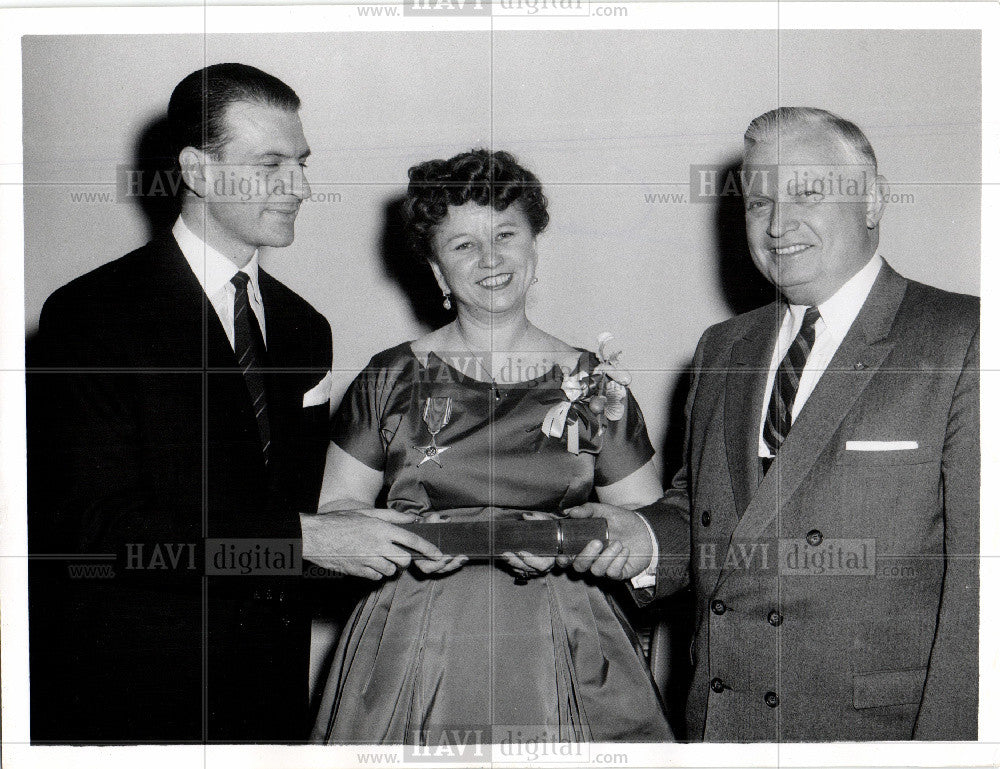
{"x": 789, "y": 120}
{"x": 197, "y": 110}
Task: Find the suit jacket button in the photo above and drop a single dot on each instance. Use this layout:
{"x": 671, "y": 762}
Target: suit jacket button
{"x": 706, "y": 518}
{"x": 814, "y": 537}
{"x": 771, "y": 700}
{"x": 718, "y": 607}
{"x": 774, "y": 617}
{"x": 717, "y": 685}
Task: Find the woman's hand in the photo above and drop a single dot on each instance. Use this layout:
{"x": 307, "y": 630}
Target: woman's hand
{"x": 527, "y": 565}
{"x": 449, "y": 564}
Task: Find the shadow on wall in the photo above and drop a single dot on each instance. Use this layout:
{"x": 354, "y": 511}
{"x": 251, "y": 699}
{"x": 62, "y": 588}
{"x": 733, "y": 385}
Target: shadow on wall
{"x": 743, "y": 289}
{"x": 155, "y": 182}
{"x": 409, "y": 271}
{"x": 151, "y": 182}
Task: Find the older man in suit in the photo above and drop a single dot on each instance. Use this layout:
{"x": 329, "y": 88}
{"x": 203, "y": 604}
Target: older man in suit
{"x": 188, "y": 392}
{"x": 828, "y": 503}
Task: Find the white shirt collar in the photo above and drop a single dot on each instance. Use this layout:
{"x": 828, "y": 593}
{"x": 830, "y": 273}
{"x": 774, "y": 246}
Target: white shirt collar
{"x": 213, "y": 270}
{"x": 840, "y": 310}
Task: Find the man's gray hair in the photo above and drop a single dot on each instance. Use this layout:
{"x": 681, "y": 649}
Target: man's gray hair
{"x": 810, "y": 119}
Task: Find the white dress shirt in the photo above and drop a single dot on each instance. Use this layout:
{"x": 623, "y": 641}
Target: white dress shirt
{"x": 214, "y": 272}
{"x": 647, "y": 577}
{"x": 837, "y": 314}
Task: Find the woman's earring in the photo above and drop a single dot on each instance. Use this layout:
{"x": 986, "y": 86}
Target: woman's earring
{"x": 447, "y": 300}
{"x": 534, "y": 280}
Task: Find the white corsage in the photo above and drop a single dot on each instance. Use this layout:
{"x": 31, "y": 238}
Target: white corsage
{"x": 599, "y": 394}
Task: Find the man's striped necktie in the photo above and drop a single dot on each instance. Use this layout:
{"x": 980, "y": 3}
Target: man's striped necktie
{"x": 786, "y": 384}
{"x": 249, "y": 348}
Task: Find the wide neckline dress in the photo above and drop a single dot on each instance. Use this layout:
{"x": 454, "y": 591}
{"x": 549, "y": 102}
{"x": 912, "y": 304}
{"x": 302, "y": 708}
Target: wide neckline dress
{"x": 553, "y": 659}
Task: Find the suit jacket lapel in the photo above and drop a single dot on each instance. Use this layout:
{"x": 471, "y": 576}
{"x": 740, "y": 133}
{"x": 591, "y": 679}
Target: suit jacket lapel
{"x": 286, "y": 375}
{"x": 188, "y": 321}
{"x": 745, "y": 383}
{"x": 859, "y": 356}
{"x": 280, "y": 327}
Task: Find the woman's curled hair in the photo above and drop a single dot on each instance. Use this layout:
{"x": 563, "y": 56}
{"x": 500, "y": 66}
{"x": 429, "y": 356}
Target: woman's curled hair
{"x": 487, "y": 178}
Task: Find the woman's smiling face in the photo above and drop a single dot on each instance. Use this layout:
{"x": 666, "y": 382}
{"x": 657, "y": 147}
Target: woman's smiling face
{"x": 484, "y": 257}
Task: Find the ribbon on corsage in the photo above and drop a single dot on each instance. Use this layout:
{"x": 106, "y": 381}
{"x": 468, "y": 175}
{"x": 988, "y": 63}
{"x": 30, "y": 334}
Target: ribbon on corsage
{"x": 602, "y": 392}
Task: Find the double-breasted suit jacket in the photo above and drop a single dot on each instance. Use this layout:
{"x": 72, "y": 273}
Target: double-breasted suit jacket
{"x": 156, "y": 459}
{"x": 837, "y": 594}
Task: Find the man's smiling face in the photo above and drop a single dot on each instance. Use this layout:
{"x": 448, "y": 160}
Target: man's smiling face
{"x": 812, "y": 210}
{"x": 257, "y": 182}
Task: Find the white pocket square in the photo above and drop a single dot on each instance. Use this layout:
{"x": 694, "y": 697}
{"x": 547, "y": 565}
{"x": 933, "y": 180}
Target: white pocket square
{"x": 320, "y": 394}
{"x": 881, "y": 445}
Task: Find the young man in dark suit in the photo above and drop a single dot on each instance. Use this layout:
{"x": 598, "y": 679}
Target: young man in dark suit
{"x": 188, "y": 400}
{"x": 829, "y": 500}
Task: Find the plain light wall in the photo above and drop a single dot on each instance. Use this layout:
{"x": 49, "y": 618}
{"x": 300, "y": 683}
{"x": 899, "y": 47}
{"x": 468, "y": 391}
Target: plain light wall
{"x": 605, "y": 119}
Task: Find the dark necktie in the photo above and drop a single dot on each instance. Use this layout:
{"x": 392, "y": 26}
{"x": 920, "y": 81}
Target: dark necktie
{"x": 786, "y": 384}
{"x": 249, "y": 348}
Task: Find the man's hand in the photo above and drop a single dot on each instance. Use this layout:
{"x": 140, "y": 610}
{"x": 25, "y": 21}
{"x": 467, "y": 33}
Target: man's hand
{"x": 628, "y": 552}
{"x": 366, "y": 543}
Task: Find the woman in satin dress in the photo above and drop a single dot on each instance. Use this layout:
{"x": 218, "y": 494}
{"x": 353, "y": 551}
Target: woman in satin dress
{"x": 450, "y": 427}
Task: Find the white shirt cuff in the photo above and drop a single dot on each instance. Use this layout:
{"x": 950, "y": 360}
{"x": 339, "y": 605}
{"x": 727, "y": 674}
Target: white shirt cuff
{"x": 648, "y": 576}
